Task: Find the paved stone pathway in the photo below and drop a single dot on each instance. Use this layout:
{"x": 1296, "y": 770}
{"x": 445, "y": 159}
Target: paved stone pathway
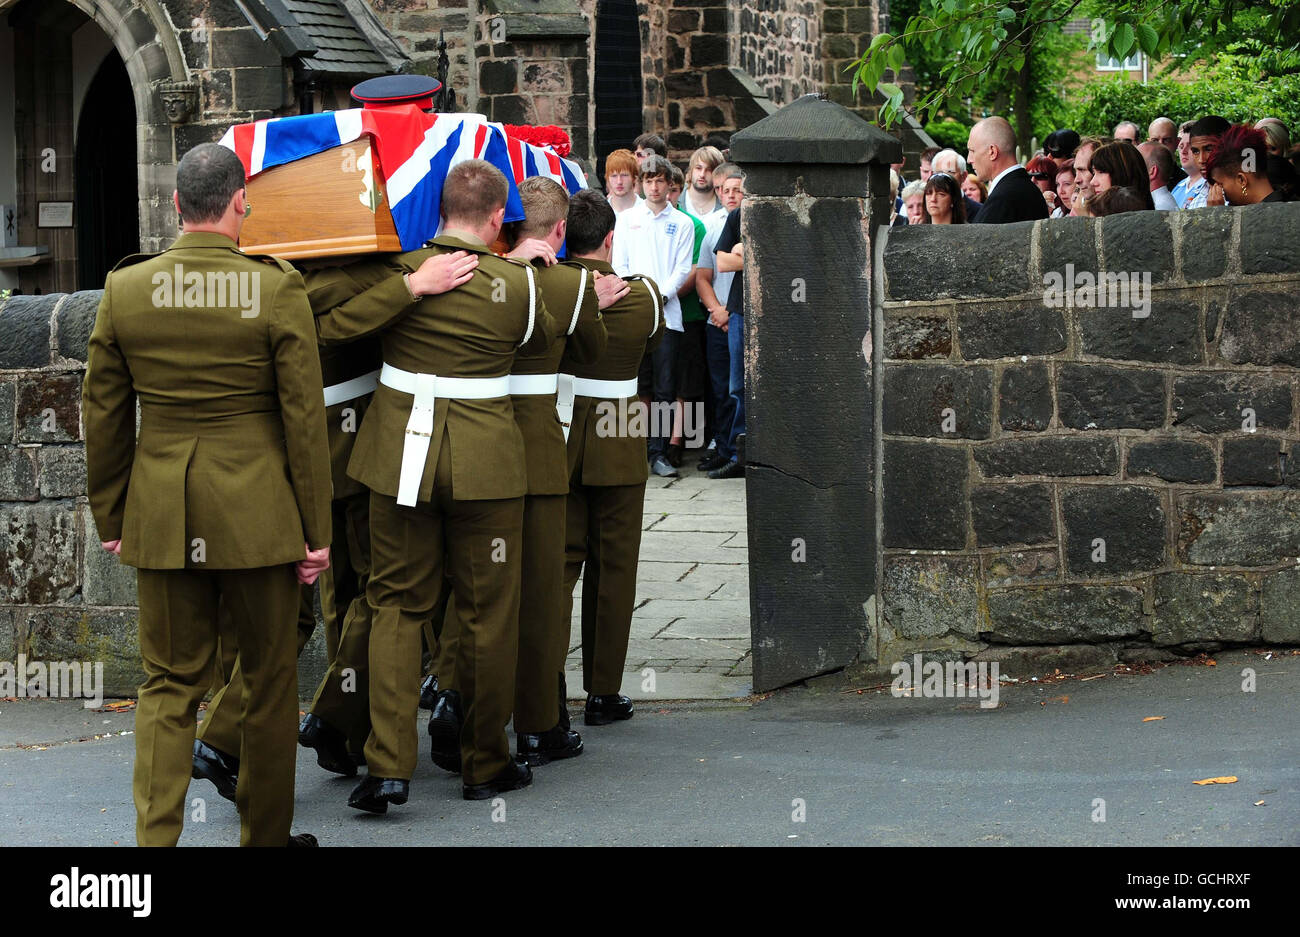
{"x": 691, "y": 624}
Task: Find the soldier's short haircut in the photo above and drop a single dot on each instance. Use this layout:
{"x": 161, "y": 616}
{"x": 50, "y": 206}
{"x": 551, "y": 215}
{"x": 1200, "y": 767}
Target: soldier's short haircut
{"x": 651, "y": 141}
{"x": 677, "y": 178}
{"x": 473, "y": 190}
{"x": 656, "y": 166}
{"x": 545, "y": 202}
{"x": 590, "y": 218}
{"x": 207, "y": 178}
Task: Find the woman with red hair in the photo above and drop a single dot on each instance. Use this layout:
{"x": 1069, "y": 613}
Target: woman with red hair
{"x": 1042, "y": 170}
{"x": 1240, "y": 166}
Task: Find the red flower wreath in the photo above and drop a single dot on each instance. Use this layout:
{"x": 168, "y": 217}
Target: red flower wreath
{"x": 553, "y": 137}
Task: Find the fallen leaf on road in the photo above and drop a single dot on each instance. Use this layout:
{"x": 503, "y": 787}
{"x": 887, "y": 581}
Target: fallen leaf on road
{"x": 1054, "y": 699}
{"x": 121, "y": 705}
{"x": 1153, "y": 718}
{"x": 1227, "y": 780}
{"x": 1259, "y": 803}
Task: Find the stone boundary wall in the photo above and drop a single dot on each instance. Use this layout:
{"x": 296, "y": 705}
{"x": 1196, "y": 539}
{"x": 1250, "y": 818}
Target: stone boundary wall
{"x": 1072, "y": 486}
{"x": 62, "y": 598}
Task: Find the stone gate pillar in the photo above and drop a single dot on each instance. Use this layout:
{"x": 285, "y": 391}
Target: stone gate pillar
{"x": 818, "y": 186}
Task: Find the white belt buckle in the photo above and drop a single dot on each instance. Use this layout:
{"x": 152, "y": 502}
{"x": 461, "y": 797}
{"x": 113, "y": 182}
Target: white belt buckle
{"x": 415, "y": 445}
{"x": 564, "y": 402}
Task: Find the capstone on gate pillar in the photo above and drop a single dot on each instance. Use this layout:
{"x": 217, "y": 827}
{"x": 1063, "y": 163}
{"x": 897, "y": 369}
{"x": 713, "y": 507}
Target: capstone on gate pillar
{"x": 817, "y": 183}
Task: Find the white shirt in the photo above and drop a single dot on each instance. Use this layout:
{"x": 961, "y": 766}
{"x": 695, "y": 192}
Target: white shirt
{"x": 713, "y": 223}
{"x": 1164, "y": 201}
{"x": 618, "y": 211}
{"x": 998, "y": 177}
{"x": 658, "y": 246}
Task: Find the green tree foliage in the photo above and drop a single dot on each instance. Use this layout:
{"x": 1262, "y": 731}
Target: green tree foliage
{"x": 1104, "y": 102}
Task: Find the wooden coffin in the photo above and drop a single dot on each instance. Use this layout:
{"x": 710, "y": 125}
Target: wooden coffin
{"x": 327, "y": 205}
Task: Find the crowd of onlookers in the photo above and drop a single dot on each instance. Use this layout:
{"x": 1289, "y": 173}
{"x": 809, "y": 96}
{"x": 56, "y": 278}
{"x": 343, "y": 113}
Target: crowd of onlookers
{"x": 682, "y": 229}
{"x": 1203, "y": 162}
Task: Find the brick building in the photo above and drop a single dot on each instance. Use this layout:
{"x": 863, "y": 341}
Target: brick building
{"x": 79, "y": 190}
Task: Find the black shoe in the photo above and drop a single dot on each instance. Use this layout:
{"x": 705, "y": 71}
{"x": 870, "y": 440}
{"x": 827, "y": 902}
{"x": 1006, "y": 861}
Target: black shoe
{"x": 661, "y": 467}
{"x": 302, "y": 839}
{"x": 674, "y": 454}
{"x": 733, "y": 469}
{"x": 216, "y": 766}
{"x": 429, "y": 692}
{"x": 331, "y": 745}
{"x": 512, "y": 777}
{"x": 602, "y": 710}
{"x": 444, "y": 731}
{"x": 712, "y": 461}
{"x": 375, "y": 794}
{"x": 539, "y": 748}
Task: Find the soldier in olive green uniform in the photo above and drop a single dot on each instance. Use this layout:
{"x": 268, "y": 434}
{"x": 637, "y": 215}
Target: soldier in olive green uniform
{"x": 226, "y": 490}
{"x": 569, "y": 291}
{"x": 607, "y": 469}
{"x": 443, "y": 458}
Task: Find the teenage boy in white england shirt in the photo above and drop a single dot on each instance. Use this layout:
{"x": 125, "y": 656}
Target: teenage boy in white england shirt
{"x": 657, "y": 240}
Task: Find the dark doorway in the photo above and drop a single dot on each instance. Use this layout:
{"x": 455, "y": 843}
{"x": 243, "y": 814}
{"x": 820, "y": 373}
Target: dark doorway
{"x": 618, "y": 78}
{"x": 107, "y": 199}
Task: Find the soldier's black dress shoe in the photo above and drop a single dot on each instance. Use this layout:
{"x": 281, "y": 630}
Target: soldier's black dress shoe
{"x": 602, "y": 710}
{"x": 712, "y": 461}
{"x": 375, "y": 794}
{"x": 733, "y": 469}
{"x": 331, "y": 745}
{"x": 216, "y": 766}
{"x": 444, "y": 731}
{"x": 302, "y": 839}
{"x": 429, "y": 692}
{"x": 539, "y": 748}
{"x": 512, "y": 777}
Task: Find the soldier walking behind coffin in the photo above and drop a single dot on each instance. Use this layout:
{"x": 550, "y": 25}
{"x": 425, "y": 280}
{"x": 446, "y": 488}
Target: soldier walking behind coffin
{"x": 224, "y": 497}
{"x": 574, "y": 297}
{"x": 444, "y": 460}
{"x": 607, "y": 468}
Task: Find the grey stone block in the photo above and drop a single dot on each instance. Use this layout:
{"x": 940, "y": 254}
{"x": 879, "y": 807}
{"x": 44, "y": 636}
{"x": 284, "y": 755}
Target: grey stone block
{"x": 105, "y": 580}
{"x": 1206, "y": 234}
{"x": 1139, "y": 242}
{"x": 1058, "y": 456}
{"x": 18, "y": 474}
{"x": 1168, "y": 334}
{"x": 1261, "y": 326}
{"x": 912, "y": 337}
{"x": 259, "y": 89}
{"x": 76, "y": 319}
{"x": 8, "y": 635}
{"x": 1279, "y": 607}
{"x": 1063, "y": 241}
{"x": 62, "y": 471}
{"x": 241, "y": 48}
{"x": 8, "y": 399}
{"x": 1025, "y": 397}
{"x": 916, "y": 397}
{"x": 1270, "y": 239}
{"x": 1021, "y": 567}
{"x": 107, "y": 636}
{"x": 1021, "y": 662}
{"x": 1238, "y": 528}
{"x": 498, "y": 77}
{"x": 1174, "y": 460}
{"x": 1192, "y": 607}
{"x": 49, "y": 408}
{"x": 1128, "y": 520}
{"x": 1064, "y": 614}
{"x": 930, "y": 262}
{"x": 1009, "y": 330}
{"x": 1009, "y": 514}
{"x": 39, "y": 543}
{"x": 1096, "y": 397}
{"x": 1252, "y": 460}
{"x": 25, "y": 325}
{"x": 930, "y": 596}
{"x": 1214, "y": 402}
{"x": 925, "y": 501}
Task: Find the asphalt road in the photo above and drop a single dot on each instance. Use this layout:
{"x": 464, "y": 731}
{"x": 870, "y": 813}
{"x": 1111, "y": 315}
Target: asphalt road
{"x": 857, "y": 768}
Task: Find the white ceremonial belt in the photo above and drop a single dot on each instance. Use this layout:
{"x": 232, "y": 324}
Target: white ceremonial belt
{"x": 564, "y": 394}
{"x": 587, "y": 387}
{"x": 350, "y": 390}
{"x": 533, "y": 383}
{"x": 425, "y": 388}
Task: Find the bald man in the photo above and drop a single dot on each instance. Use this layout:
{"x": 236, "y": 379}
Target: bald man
{"x": 1165, "y": 132}
{"x": 1012, "y": 194}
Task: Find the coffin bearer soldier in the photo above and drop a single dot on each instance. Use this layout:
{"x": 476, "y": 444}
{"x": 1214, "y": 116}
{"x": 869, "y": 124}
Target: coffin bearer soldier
{"x": 444, "y": 460}
{"x": 607, "y": 468}
{"x": 574, "y": 297}
{"x": 224, "y": 497}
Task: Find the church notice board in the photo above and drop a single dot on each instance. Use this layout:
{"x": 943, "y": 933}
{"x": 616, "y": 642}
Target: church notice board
{"x": 329, "y": 204}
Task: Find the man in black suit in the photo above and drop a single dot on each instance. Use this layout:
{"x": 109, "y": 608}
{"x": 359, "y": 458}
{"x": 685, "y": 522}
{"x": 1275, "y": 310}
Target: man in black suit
{"x": 1012, "y": 194}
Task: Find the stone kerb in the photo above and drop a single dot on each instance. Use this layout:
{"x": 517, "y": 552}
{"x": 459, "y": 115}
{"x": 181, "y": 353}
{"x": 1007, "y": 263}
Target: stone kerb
{"x": 62, "y": 598}
{"x": 1091, "y": 435}
{"x": 816, "y": 176}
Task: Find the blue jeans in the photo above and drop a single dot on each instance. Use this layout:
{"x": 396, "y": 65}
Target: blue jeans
{"x": 718, "y": 349}
{"x": 736, "y": 346}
